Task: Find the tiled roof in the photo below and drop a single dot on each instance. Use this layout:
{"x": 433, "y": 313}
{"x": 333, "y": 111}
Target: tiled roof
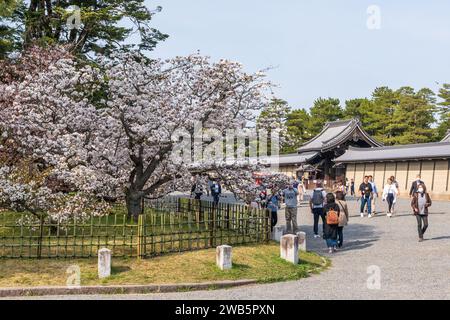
{"x": 436, "y": 150}
{"x": 447, "y": 137}
{"x": 335, "y": 133}
{"x": 286, "y": 159}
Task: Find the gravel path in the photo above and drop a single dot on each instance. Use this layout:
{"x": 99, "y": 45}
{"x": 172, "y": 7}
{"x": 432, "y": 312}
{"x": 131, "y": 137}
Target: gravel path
{"x": 408, "y": 269}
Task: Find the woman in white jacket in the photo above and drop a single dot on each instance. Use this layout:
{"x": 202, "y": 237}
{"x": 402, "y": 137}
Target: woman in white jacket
{"x": 390, "y": 193}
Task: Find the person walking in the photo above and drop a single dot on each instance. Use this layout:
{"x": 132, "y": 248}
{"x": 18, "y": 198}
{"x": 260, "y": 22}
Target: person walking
{"x": 210, "y": 183}
{"x": 420, "y": 203}
{"x": 273, "y": 205}
{"x": 352, "y": 187}
{"x": 197, "y": 189}
{"x": 317, "y": 203}
{"x": 366, "y": 192}
{"x": 216, "y": 191}
{"x": 301, "y": 190}
{"x": 390, "y": 193}
{"x": 343, "y": 217}
{"x": 415, "y": 184}
{"x": 332, "y": 213}
{"x": 290, "y": 197}
{"x": 340, "y": 187}
{"x": 394, "y": 181}
{"x": 374, "y": 195}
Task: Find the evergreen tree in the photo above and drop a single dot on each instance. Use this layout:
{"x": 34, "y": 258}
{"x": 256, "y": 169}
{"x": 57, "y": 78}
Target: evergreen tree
{"x": 273, "y": 117}
{"x": 11, "y": 11}
{"x": 364, "y": 110}
{"x": 297, "y": 123}
{"x": 323, "y": 111}
{"x": 413, "y": 117}
{"x": 100, "y": 30}
{"x": 444, "y": 110}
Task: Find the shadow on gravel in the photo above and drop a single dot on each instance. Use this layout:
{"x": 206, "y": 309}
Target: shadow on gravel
{"x": 356, "y": 237}
{"x": 438, "y": 238}
{"x": 356, "y": 245}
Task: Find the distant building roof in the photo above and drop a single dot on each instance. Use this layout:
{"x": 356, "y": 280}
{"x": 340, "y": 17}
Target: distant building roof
{"x": 447, "y": 137}
{"x": 285, "y": 159}
{"x": 337, "y": 132}
{"x": 435, "y": 150}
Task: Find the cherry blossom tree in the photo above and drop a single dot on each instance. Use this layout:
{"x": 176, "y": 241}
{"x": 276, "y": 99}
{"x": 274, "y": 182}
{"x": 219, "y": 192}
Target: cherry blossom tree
{"x": 112, "y": 131}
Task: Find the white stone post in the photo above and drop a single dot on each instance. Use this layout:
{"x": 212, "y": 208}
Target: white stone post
{"x": 104, "y": 263}
{"x": 223, "y": 257}
{"x": 289, "y": 248}
{"x": 277, "y": 233}
{"x": 302, "y": 240}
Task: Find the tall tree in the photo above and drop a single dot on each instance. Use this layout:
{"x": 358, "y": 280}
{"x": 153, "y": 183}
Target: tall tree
{"x": 273, "y": 117}
{"x": 384, "y": 101}
{"x": 413, "y": 117}
{"x": 97, "y": 27}
{"x": 444, "y": 110}
{"x": 298, "y": 124}
{"x": 324, "y": 110}
{"x": 11, "y": 12}
{"x": 129, "y": 148}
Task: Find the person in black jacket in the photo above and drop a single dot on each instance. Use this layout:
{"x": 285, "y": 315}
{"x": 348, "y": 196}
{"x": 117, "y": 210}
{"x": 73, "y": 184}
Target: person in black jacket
{"x": 216, "y": 190}
{"x": 331, "y": 230}
{"x": 366, "y": 193}
{"x": 415, "y": 185}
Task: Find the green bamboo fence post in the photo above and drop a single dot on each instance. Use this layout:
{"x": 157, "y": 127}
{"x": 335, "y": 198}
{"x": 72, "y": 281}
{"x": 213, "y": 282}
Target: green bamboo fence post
{"x": 41, "y": 234}
{"x": 141, "y": 236}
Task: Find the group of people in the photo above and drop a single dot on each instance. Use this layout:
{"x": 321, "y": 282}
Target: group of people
{"x": 214, "y": 189}
{"x": 332, "y": 209}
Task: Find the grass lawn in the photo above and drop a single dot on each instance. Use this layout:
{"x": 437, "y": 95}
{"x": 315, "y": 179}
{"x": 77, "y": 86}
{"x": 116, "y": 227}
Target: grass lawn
{"x": 260, "y": 262}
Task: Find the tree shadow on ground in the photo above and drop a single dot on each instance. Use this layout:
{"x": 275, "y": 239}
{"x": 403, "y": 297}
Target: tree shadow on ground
{"x": 240, "y": 266}
{"x": 119, "y": 269}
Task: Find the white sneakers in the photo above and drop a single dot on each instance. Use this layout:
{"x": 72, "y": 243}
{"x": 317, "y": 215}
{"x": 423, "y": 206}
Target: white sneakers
{"x": 369, "y": 215}
{"x": 316, "y": 236}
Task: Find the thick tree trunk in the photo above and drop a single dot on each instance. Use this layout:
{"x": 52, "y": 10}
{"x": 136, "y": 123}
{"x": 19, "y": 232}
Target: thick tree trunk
{"x": 134, "y": 199}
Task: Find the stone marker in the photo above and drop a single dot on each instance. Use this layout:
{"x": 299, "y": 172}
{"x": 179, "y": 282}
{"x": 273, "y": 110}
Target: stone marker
{"x": 289, "y": 248}
{"x": 277, "y": 233}
{"x": 104, "y": 263}
{"x": 223, "y": 257}
{"x": 302, "y": 240}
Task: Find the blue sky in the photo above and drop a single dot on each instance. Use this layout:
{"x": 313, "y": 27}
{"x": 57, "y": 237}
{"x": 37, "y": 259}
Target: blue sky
{"x": 318, "y": 48}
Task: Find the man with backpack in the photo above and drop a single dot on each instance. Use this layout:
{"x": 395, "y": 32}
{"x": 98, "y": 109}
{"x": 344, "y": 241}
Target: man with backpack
{"x": 317, "y": 204}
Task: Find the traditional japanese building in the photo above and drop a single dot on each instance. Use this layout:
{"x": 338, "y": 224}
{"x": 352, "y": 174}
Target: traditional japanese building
{"x": 344, "y": 150}
{"x": 447, "y": 137}
{"x": 404, "y": 162}
{"x": 314, "y": 160}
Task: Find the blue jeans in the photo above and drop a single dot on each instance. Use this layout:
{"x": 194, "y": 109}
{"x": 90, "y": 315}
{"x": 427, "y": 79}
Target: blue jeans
{"x": 365, "y": 200}
{"x": 331, "y": 243}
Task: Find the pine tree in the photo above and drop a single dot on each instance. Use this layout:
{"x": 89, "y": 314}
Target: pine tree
{"x": 444, "y": 110}
{"x": 273, "y": 117}
{"x": 297, "y": 123}
{"x": 413, "y": 117}
{"x": 323, "y": 111}
{"x": 100, "y": 30}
